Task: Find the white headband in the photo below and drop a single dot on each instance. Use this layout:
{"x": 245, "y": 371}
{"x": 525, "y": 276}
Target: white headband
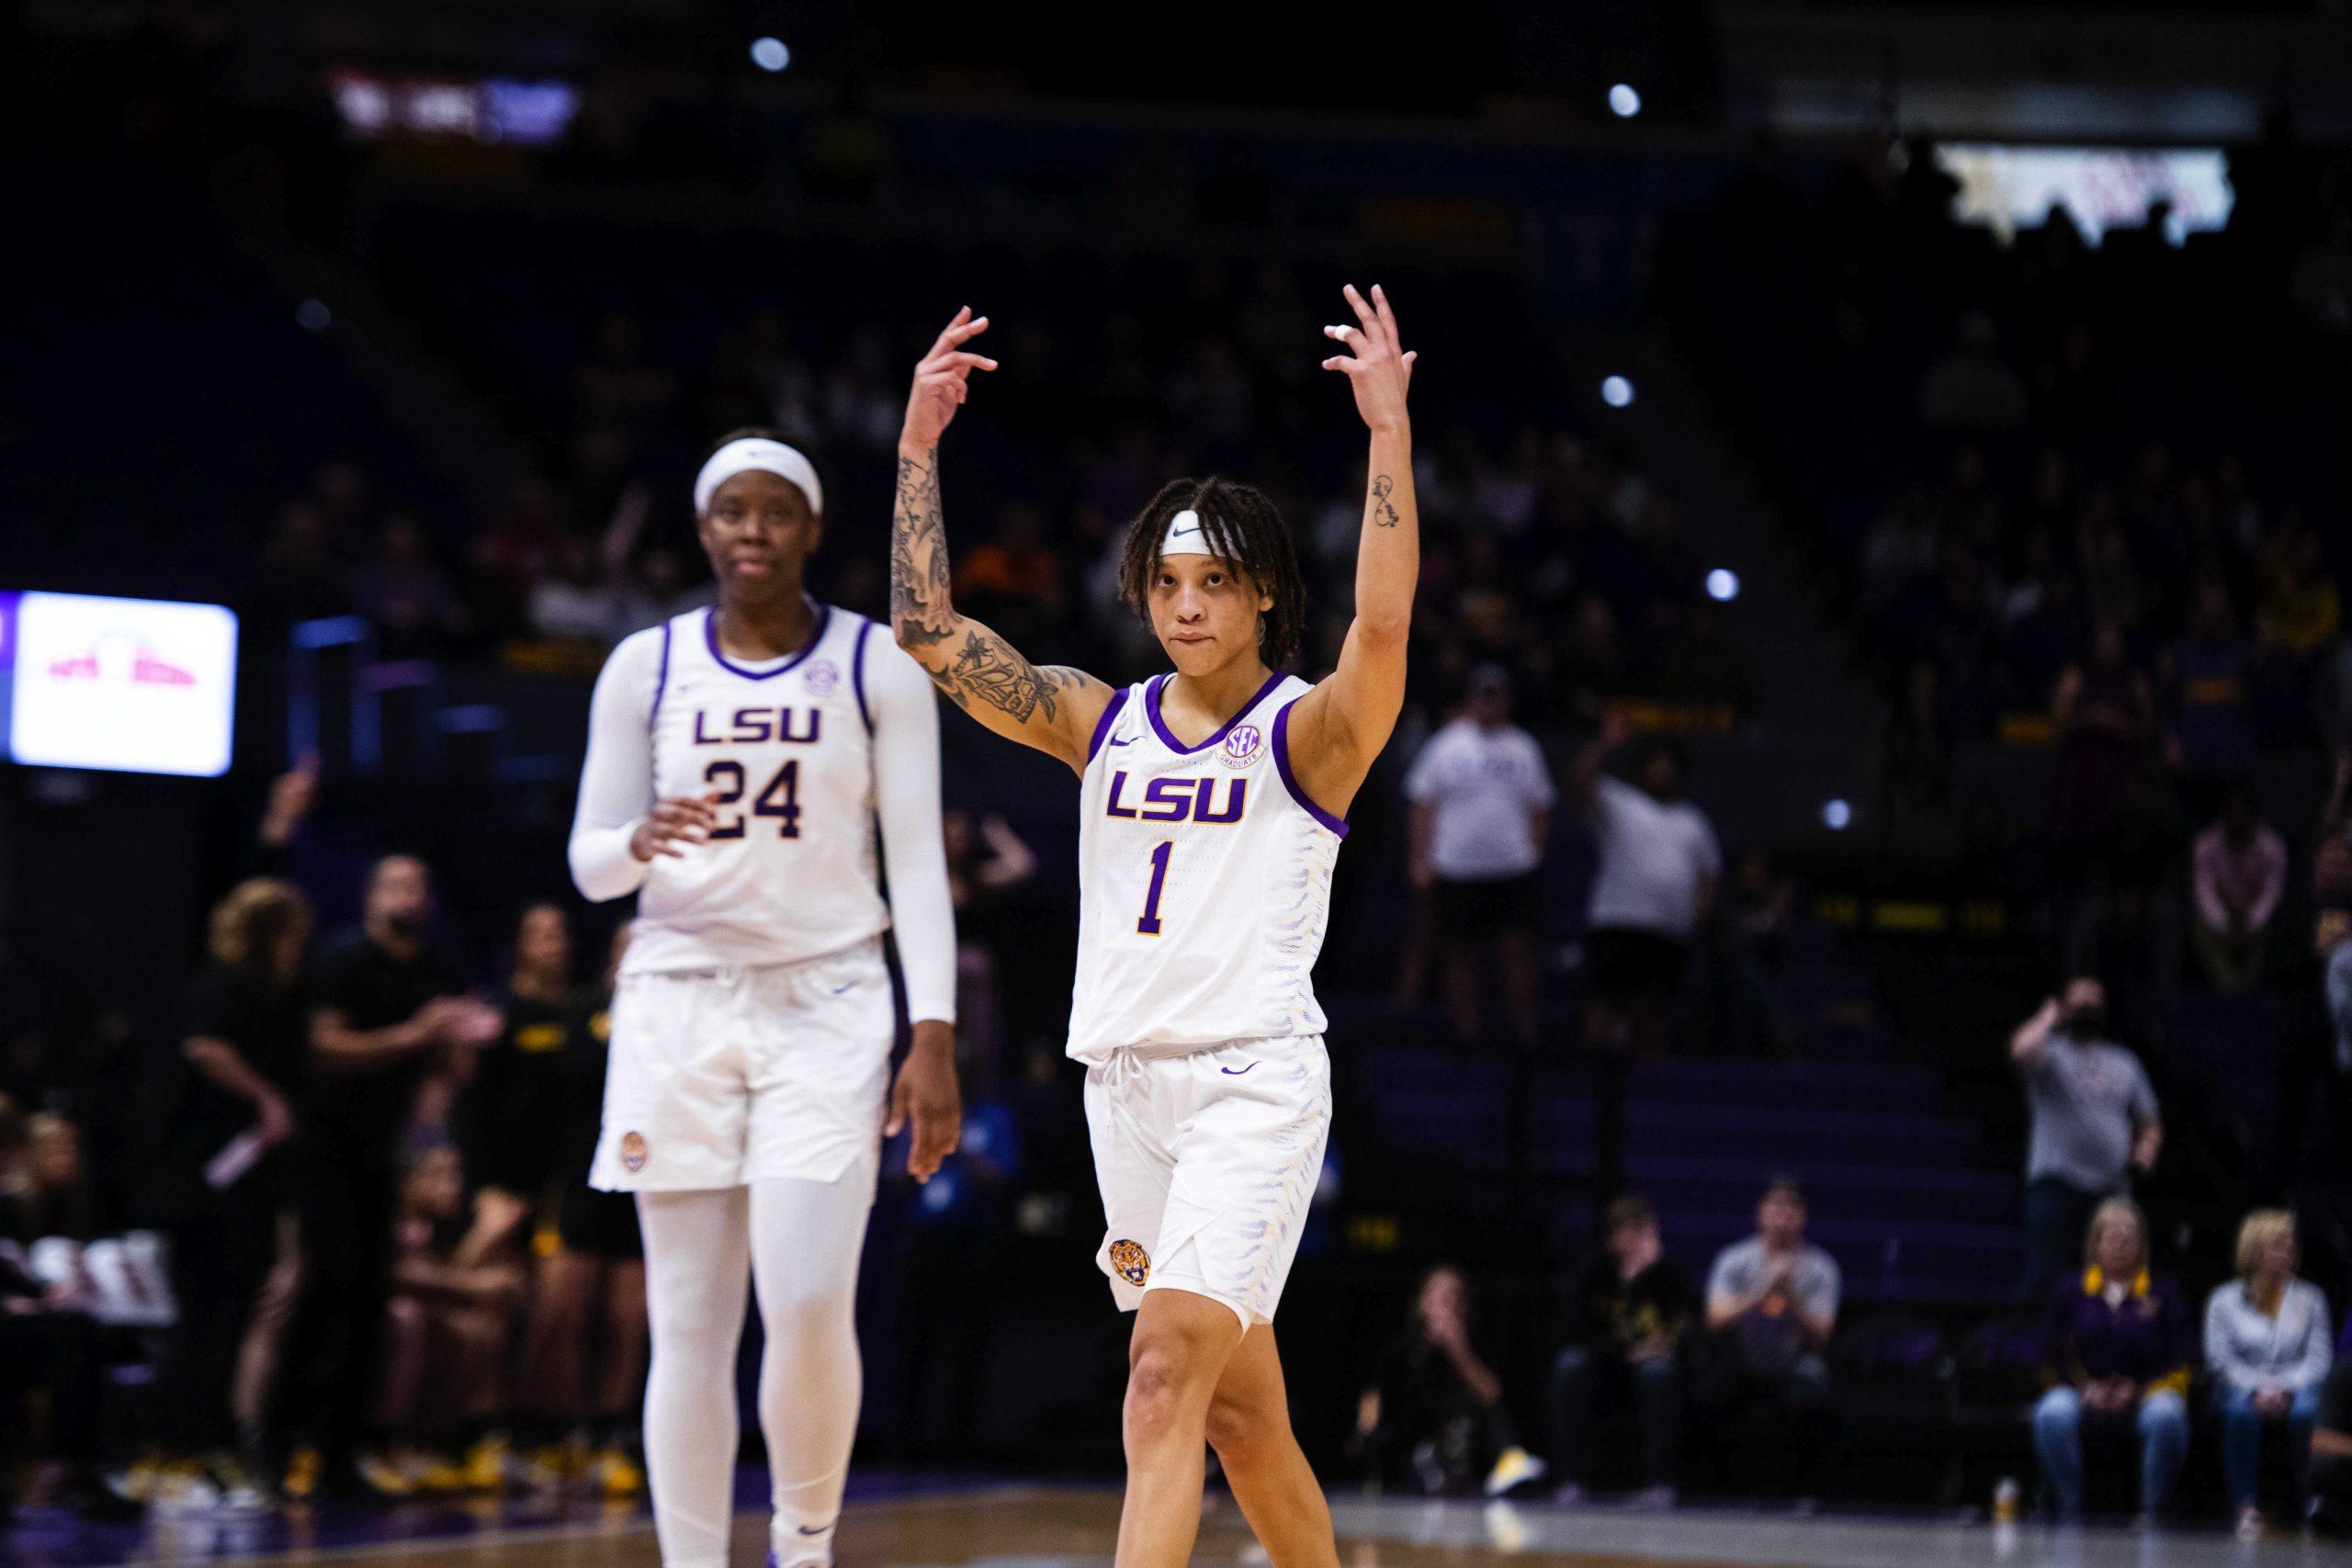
{"x": 768, "y": 457}
{"x": 1185, "y": 537}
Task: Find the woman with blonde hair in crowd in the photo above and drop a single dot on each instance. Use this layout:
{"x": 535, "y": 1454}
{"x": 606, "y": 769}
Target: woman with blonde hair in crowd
{"x": 2115, "y": 1344}
{"x": 2267, "y": 1343}
{"x": 243, "y": 1037}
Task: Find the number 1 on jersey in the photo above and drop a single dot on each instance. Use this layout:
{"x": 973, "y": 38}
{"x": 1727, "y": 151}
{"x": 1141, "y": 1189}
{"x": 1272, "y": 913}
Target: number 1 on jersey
{"x": 1150, "y": 924}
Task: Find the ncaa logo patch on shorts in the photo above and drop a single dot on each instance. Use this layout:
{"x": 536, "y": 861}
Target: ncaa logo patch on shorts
{"x": 1132, "y": 1263}
{"x": 633, "y": 1152}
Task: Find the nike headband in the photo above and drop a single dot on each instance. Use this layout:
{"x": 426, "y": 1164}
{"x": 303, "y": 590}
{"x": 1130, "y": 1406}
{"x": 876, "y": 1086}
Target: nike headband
{"x": 1185, "y": 537}
{"x": 768, "y": 457}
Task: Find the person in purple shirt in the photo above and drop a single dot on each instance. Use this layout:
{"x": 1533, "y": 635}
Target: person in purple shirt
{"x": 2115, "y": 1344}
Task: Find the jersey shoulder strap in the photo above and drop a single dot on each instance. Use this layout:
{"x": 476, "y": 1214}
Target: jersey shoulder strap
{"x": 1291, "y": 691}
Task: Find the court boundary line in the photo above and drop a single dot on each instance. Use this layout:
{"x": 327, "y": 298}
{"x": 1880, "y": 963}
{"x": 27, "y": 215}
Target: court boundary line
{"x": 582, "y": 1530}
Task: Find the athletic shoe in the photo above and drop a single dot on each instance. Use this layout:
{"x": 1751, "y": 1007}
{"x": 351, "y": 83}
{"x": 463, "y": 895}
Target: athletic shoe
{"x": 184, "y": 1489}
{"x": 617, "y": 1475}
{"x": 548, "y": 1467}
{"x": 486, "y": 1464}
{"x": 389, "y": 1475}
{"x": 302, "y": 1472}
{"x": 137, "y": 1483}
{"x": 2249, "y": 1523}
{"x": 1516, "y": 1467}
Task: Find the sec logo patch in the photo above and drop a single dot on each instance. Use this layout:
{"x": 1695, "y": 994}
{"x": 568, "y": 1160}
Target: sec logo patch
{"x": 633, "y": 1152}
{"x": 1241, "y": 747}
{"x": 822, "y": 677}
{"x": 1132, "y": 1262}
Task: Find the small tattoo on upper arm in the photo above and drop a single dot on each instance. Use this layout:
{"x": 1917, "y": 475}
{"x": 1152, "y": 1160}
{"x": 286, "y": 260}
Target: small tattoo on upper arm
{"x": 1382, "y": 513}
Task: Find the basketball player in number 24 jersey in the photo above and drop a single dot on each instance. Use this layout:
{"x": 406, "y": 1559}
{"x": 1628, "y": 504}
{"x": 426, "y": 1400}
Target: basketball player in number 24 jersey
{"x": 1214, "y": 800}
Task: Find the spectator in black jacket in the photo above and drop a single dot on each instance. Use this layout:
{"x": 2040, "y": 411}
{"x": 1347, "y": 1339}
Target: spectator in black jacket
{"x": 1435, "y": 1416}
{"x": 1627, "y": 1317}
{"x": 243, "y": 1036}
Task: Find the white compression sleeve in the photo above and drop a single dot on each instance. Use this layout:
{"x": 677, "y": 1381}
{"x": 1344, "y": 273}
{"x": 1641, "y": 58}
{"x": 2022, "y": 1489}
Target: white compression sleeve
{"x": 697, "y": 1279}
{"x": 617, "y": 777}
{"x": 804, "y": 1242}
{"x": 914, "y": 854}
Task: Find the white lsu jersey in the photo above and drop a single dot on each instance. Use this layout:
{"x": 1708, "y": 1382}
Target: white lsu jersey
{"x": 787, "y": 749}
{"x": 1205, "y": 882}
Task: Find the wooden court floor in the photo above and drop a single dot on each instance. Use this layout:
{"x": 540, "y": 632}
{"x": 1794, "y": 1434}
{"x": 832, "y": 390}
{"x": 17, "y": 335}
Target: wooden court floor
{"x": 1042, "y": 1526}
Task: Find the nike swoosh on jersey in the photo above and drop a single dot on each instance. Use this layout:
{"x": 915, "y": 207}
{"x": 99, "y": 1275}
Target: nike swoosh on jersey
{"x": 1236, "y": 1072}
{"x": 1128, "y": 741}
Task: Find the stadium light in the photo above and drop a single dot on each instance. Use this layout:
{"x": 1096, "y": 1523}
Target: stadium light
{"x": 312, "y": 315}
{"x": 1722, "y": 585}
{"x": 1616, "y": 391}
{"x": 1835, "y": 815}
{"x": 770, "y": 54}
{"x": 1624, "y": 102}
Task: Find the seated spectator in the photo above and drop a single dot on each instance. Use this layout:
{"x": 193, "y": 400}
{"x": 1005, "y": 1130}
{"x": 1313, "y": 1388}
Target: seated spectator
{"x": 2237, "y": 871}
{"x": 1627, "y": 1319}
{"x": 2266, "y": 1343}
{"x": 2115, "y": 1342}
{"x": 455, "y": 1289}
{"x": 1771, "y": 1305}
{"x": 47, "y": 1345}
{"x": 1434, "y": 1415}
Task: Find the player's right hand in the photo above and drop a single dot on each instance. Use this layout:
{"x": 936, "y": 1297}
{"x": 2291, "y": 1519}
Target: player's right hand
{"x": 942, "y": 381}
{"x": 685, "y": 819}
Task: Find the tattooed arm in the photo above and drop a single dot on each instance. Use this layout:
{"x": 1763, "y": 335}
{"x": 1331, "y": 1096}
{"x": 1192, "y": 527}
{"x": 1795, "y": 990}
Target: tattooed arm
{"x": 1052, "y": 707}
{"x": 1337, "y": 729}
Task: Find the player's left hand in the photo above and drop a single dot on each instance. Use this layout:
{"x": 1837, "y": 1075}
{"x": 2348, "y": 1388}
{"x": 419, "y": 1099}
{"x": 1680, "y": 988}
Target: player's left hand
{"x": 926, "y": 1095}
{"x": 1377, "y": 367}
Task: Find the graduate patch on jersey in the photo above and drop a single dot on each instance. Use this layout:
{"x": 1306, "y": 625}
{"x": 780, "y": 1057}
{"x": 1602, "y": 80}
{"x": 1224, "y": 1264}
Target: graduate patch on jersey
{"x": 1132, "y": 1262}
{"x": 1241, "y": 747}
{"x": 823, "y": 676}
{"x": 634, "y": 1152}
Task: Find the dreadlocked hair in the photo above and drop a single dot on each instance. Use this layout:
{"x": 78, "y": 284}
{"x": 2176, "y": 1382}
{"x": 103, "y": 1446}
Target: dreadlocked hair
{"x": 1241, "y": 525}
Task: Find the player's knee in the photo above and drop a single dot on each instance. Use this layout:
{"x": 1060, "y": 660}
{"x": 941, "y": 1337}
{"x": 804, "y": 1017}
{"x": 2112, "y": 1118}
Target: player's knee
{"x": 1161, "y": 1385}
{"x": 810, "y": 1313}
{"x": 1241, "y": 1431}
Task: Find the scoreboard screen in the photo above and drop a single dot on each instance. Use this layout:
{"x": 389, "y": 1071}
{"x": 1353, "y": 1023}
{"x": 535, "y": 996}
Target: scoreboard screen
{"x": 129, "y": 685}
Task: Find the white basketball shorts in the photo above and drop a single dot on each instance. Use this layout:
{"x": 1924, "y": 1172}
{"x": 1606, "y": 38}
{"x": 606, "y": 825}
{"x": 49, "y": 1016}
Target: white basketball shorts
{"x": 1207, "y": 1162}
{"x": 719, "y": 1078}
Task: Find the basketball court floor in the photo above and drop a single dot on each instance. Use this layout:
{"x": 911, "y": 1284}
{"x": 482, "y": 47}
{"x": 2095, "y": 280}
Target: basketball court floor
{"x": 938, "y": 1524}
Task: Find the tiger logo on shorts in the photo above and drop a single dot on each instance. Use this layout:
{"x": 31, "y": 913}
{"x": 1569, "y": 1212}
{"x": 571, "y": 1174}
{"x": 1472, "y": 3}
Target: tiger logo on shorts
{"x": 633, "y": 1152}
{"x": 1133, "y": 1263}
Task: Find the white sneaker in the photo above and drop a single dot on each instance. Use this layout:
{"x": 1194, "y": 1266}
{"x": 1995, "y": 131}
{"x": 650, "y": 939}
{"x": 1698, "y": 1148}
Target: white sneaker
{"x": 1515, "y": 1467}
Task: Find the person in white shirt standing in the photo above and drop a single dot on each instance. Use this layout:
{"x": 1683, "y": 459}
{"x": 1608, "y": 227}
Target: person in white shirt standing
{"x": 1652, "y": 892}
{"x": 739, "y": 758}
{"x": 1481, "y": 795}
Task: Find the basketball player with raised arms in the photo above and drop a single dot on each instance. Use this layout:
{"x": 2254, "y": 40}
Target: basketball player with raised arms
{"x": 1212, "y": 799}
{"x": 739, "y": 758}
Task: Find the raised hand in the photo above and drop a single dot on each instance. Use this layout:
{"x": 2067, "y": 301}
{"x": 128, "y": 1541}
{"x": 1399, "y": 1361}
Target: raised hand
{"x": 942, "y": 381}
{"x": 1377, "y": 365}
